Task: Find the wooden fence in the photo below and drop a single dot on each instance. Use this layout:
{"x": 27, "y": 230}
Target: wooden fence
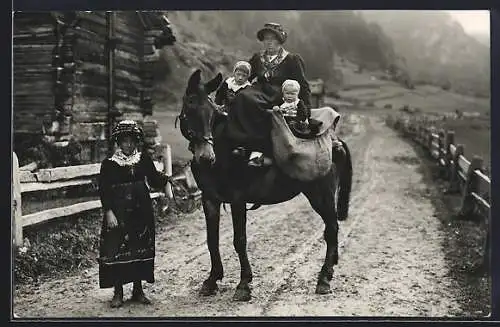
{"x": 465, "y": 176}
{"x": 25, "y": 181}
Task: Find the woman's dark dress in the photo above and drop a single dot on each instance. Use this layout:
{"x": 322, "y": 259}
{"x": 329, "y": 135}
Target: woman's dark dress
{"x": 127, "y": 251}
{"x": 249, "y": 124}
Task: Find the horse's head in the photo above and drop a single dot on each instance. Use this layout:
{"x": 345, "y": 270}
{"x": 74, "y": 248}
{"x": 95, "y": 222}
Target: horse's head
{"x": 197, "y": 116}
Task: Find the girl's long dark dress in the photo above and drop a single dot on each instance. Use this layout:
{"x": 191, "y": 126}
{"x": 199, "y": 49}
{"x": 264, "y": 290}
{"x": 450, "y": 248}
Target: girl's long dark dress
{"x": 127, "y": 251}
{"x": 249, "y": 124}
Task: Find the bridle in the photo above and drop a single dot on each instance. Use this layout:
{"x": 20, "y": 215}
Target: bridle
{"x": 191, "y": 135}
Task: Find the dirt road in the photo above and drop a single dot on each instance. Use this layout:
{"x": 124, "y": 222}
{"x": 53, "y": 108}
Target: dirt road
{"x": 391, "y": 260}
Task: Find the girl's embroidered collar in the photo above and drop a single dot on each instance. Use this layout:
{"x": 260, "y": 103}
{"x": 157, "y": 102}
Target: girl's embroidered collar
{"x": 233, "y": 86}
{"x": 123, "y": 160}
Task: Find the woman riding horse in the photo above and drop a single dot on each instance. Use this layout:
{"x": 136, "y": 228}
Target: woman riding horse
{"x": 211, "y": 147}
{"x": 249, "y": 124}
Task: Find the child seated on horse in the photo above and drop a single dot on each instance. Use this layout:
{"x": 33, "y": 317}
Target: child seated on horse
{"x": 236, "y": 82}
{"x": 295, "y": 113}
{"x": 298, "y": 116}
{"x": 294, "y": 110}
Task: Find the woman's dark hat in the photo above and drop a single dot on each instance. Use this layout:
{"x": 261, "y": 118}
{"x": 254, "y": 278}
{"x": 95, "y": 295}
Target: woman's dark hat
{"x": 275, "y": 28}
{"x": 125, "y": 127}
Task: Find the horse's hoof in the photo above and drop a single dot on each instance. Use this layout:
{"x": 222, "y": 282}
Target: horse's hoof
{"x": 207, "y": 289}
{"x": 323, "y": 289}
{"x": 242, "y": 295}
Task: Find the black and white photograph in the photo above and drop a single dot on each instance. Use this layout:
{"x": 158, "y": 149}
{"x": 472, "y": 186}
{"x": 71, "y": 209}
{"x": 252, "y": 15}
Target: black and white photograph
{"x": 255, "y": 164}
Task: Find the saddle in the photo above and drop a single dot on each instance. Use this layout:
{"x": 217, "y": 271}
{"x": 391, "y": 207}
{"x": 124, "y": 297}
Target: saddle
{"x": 300, "y": 158}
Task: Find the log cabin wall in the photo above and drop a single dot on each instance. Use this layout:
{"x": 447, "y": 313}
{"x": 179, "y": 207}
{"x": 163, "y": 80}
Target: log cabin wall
{"x": 74, "y": 84}
{"x": 34, "y": 40}
{"x": 90, "y": 108}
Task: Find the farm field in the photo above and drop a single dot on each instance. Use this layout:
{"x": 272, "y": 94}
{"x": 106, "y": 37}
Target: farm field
{"x": 366, "y": 92}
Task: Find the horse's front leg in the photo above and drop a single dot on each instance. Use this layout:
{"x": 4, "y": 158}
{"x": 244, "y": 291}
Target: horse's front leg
{"x": 211, "y": 208}
{"x": 322, "y": 199}
{"x": 239, "y": 214}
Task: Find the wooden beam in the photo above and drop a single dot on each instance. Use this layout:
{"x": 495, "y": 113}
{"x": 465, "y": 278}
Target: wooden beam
{"x": 463, "y": 164}
{"x": 462, "y": 175}
{"x": 36, "y": 187}
{"x": 60, "y": 173}
{"x": 16, "y": 219}
{"x": 471, "y": 186}
{"x": 46, "y": 215}
{"x": 27, "y": 177}
{"x": 167, "y": 157}
{"x": 481, "y": 201}
{"x": 49, "y": 214}
{"x": 29, "y": 167}
{"x": 51, "y": 175}
{"x": 453, "y": 150}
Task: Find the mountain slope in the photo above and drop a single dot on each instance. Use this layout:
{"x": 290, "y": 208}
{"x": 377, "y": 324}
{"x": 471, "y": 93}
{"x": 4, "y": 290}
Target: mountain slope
{"x": 215, "y": 40}
{"x": 436, "y": 49}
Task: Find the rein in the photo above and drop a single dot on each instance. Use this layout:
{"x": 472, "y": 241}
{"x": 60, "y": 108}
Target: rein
{"x": 193, "y": 136}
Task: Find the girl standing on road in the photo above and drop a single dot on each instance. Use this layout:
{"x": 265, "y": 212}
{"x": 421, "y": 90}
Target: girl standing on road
{"x": 127, "y": 242}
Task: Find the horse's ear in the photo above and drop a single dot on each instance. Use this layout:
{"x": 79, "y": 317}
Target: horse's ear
{"x": 213, "y": 84}
{"x": 194, "y": 81}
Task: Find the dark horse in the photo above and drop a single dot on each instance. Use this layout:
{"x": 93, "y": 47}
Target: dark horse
{"x": 226, "y": 181}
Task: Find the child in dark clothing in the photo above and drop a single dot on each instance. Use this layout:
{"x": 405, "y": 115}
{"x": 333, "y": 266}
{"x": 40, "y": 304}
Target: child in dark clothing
{"x": 239, "y": 80}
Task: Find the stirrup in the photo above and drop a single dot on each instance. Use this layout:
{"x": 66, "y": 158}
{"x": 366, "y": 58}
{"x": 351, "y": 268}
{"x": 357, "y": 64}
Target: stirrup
{"x": 261, "y": 161}
{"x": 239, "y": 151}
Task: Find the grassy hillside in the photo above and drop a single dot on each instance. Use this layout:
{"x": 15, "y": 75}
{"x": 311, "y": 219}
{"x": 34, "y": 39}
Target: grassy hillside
{"x": 215, "y": 40}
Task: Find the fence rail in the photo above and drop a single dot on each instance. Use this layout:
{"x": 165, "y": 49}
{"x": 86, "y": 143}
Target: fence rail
{"x": 465, "y": 177}
{"x": 25, "y": 181}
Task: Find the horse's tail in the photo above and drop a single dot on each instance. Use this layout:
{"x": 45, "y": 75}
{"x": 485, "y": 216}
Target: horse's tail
{"x": 345, "y": 185}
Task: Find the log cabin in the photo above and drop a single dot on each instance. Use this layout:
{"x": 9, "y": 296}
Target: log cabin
{"x": 76, "y": 74}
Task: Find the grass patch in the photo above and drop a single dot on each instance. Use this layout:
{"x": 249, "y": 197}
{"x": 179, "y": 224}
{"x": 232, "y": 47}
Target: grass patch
{"x": 462, "y": 243}
{"x": 64, "y": 246}
{"x": 474, "y": 134}
{"x": 406, "y": 160}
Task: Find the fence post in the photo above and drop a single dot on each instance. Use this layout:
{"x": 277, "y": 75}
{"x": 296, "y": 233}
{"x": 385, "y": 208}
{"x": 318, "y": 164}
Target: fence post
{"x": 423, "y": 137}
{"x": 17, "y": 225}
{"x": 468, "y": 204}
{"x": 167, "y": 163}
{"x": 454, "y": 186}
{"x": 449, "y": 140}
{"x": 430, "y": 131}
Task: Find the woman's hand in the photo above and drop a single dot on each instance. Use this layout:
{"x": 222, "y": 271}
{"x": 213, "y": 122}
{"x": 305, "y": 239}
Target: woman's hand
{"x": 111, "y": 219}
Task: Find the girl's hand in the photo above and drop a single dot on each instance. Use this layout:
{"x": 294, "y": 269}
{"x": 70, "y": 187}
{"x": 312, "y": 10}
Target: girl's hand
{"x": 111, "y": 219}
